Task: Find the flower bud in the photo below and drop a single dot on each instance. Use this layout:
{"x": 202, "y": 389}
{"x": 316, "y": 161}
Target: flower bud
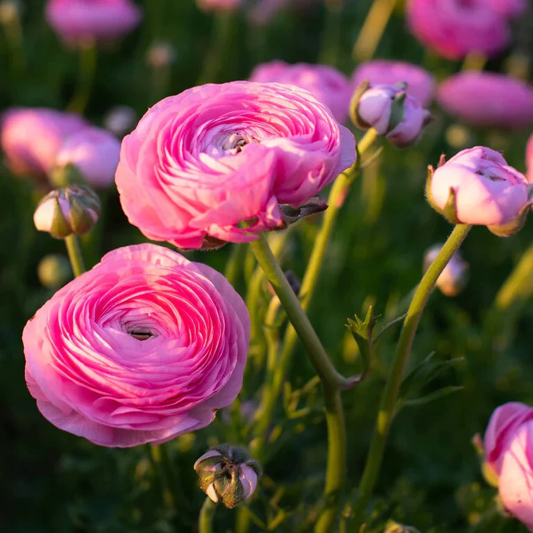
{"x": 454, "y": 276}
{"x": 161, "y": 55}
{"x": 63, "y": 212}
{"x": 54, "y": 271}
{"x": 227, "y": 474}
{"x": 390, "y": 111}
{"x": 120, "y": 120}
{"x": 477, "y": 186}
{"x": 313, "y": 206}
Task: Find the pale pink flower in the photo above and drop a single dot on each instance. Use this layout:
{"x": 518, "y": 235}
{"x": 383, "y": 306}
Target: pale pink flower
{"x": 455, "y": 28}
{"x": 453, "y": 278}
{"x": 529, "y": 159}
{"x": 219, "y": 5}
{"x": 143, "y": 348}
{"x": 487, "y": 99}
{"x": 94, "y": 152}
{"x": 99, "y": 20}
{"x": 420, "y": 83}
{"x": 487, "y": 190}
{"x": 201, "y": 163}
{"x": 32, "y": 137}
{"x": 325, "y": 83}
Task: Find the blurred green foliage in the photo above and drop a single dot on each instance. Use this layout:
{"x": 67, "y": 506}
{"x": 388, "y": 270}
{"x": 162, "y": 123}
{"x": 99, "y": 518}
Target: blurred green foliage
{"x": 55, "y": 482}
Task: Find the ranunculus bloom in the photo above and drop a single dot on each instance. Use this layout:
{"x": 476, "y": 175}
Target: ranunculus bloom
{"x": 144, "y": 347}
{"x": 203, "y": 162}
{"x": 420, "y": 83}
{"x": 453, "y": 278}
{"x": 218, "y": 5}
{"x": 487, "y": 99}
{"x": 487, "y": 190}
{"x": 455, "y": 28}
{"x": 326, "y": 84}
{"x": 94, "y": 152}
{"x": 375, "y": 108}
{"x": 99, "y": 20}
{"x": 32, "y": 137}
{"x": 503, "y": 423}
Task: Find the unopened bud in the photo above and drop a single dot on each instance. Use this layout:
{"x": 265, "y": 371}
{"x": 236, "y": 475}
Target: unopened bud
{"x": 63, "y": 212}
{"x": 455, "y": 274}
{"x": 390, "y": 111}
{"x": 54, "y": 271}
{"x": 227, "y": 474}
{"x": 293, "y": 214}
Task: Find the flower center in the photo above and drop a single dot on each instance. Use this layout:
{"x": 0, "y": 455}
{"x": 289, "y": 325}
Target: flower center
{"x": 141, "y": 334}
{"x": 235, "y": 142}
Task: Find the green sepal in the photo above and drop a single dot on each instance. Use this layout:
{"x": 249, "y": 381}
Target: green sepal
{"x": 354, "y": 104}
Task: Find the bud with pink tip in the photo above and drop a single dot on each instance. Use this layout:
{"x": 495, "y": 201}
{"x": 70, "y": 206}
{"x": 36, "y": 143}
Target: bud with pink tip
{"x": 94, "y": 152}
{"x": 478, "y": 187}
{"x": 454, "y": 276}
{"x": 63, "y": 212}
{"x": 227, "y": 474}
{"x": 390, "y": 111}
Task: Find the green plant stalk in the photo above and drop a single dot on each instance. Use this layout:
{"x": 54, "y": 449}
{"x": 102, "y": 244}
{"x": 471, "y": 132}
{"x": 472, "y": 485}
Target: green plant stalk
{"x": 88, "y": 60}
{"x": 519, "y": 285}
{"x": 390, "y": 394}
{"x": 72, "y": 243}
{"x": 161, "y": 469}
{"x": 207, "y": 513}
{"x": 234, "y": 265}
{"x": 331, "y": 38}
{"x": 15, "y": 43}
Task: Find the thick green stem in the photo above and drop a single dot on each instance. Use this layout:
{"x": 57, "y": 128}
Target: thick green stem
{"x": 336, "y": 469}
{"x": 74, "y": 253}
{"x": 317, "y": 355}
{"x": 390, "y": 394}
{"x": 88, "y": 60}
{"x": 205, "y": 520}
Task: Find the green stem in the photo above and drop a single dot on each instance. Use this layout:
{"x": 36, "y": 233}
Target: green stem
{"x": 235, "y": 263}
{"x": 207, "y": 513}
{"x": 161, "y": 472}
{"x": 74, "y": 254}
{"x": 317, "y": 355}
{"x": 88, "y": 60}
{"x": 336, "y": 468}
{"x": 15, "y": 43}
{"x": 390, "y": 394}
{"x": 332, "y": 33}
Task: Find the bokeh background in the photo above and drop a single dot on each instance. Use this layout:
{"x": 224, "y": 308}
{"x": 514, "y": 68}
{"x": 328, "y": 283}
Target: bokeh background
{"x": 55, "y": 482}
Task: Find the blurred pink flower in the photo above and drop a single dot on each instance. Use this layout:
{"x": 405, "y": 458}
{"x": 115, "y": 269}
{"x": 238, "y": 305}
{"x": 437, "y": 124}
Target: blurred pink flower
{"x": 503, "y": 423}
{"x": 325, "y": 83}
{"x": 488, "y": 100}
{"x": 94, "y": 152}
{"x": 143, "y": 348}
{"x": 264, "y": 11}
{"x": 453, "y": 278}
{"x": 529, "y": 160}
{"x": 219, "y": 5}
{"x": 99, "y": 20}
{"x": 376, "y": 108}
{"x": 32, "y": 137}
{"x": 454, "y": 28}
{"x": 488, "y": 191}
{"x": 420, "y": 83}
{"x": 202, "y": 162}
{"x": 509, "y": 8}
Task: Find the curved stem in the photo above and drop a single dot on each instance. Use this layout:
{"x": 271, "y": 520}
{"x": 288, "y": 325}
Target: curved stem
{"x": 392, "y": 388}
{"x": 205, "y": 520}
{"x": 72, "y": 243}
{"x": 88, "y": 60}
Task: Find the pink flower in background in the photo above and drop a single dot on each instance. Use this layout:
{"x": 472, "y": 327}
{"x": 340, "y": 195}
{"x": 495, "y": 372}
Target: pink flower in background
{"x": 509, "y": 8}
{"x": 143, "y": 348}
{"x": 99, "y": 20}
{"x": 488, "y": 191}
{"x": 508, "y": 447}
{"x": 202, "y": 162}
{"x": 420, "y": 83}
{"x": 529, "y": 160}
{"x": 454, "y": 28}
{"x": 94, "y": 152}
{"x": 453, "y": 278}
{"x": 263, "y": 12}
{"x": 32, "y": 137}
{"x": 219, "y": 5}
{"x": 325, "y": 83}
{"x": 487, "y": 100}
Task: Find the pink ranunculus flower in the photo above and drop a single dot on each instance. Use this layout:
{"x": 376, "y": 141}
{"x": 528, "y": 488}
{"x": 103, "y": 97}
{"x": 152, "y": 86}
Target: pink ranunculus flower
{"x": 94, "y": 20}
{"x": 420, "y": 83}
{"x": 325, "y": 83}
{"x": 201, "y": 163}
{"x": 219, "y": 5}
{"x": 455, "y": 28}
{"x": 504, "y": 422}
{"x": 487, "y": 190}
{"x": 32, "y": 137}
{"x": 487, "y": 100}
{"x": 94, "y": 152}
{"x": 143, "y": 348}
{"x": 529, "y": 160}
